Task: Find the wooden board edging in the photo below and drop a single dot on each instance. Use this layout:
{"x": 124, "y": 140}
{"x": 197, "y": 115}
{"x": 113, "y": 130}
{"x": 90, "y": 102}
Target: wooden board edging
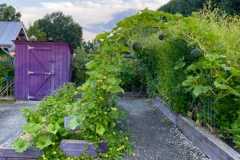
{"x": 9, "y": 154}
{"x": 209, "y": 144}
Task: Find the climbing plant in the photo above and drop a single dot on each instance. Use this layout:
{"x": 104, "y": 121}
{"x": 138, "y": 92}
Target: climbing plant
{"x": 96, "y": 114}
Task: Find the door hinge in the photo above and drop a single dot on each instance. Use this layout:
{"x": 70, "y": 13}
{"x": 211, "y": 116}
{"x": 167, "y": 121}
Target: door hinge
{"x": 30, "y": 47}
{"x": 30, "y": 72}
{"x": 31, "y": 97}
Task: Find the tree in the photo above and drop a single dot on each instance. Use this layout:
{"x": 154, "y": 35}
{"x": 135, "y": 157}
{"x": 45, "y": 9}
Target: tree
{"x": 186, "y": 7}
{"x": 232, "y": 7}
{"x": 57, "y": 27}
{"x": 8, "y": 13}
{"x": 36, "y": 34}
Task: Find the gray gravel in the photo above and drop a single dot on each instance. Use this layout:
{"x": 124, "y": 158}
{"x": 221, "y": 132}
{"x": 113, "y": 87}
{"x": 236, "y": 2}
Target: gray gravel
{"x": 11, "y": 120}
{"x": 153, "y": 136}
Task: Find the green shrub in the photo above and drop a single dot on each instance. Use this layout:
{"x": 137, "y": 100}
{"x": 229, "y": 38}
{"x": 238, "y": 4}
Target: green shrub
{"x": 45, "y": 125}
{"x": 96, "y": 113}
{"x": 213, "y": 77}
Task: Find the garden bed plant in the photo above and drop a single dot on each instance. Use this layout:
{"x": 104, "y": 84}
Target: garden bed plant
{"x": 45, "y": 126}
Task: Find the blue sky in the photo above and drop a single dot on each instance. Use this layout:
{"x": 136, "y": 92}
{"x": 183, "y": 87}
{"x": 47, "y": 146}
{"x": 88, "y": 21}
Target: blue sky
{"x": 94, "y": 16}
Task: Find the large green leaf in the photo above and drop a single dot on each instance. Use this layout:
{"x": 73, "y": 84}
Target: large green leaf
{"x": 220, "y": 85}
{"x": 235, "y": 72}
{"x": 199, "y": 90}
{"x": 189, "y": 81}
{"x": 234, "y": 92}
{"x": 180, "y": 64}
{"x": 43, "y": 141}
{"x": 53, "y": 128}
{"x": 21, "y": 145}
{"x": 32, "y": 128}
{"x": 100, "y": 129}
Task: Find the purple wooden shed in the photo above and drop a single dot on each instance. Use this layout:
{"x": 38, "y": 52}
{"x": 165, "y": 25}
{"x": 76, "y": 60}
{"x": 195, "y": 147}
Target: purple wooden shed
{"x": 41, "y": 68}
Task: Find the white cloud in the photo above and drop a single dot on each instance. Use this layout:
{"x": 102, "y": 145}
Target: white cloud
{"x": 87, "y": 12}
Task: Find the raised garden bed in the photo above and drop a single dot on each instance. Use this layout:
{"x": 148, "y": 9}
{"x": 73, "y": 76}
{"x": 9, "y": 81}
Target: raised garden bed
{"x": 73, "y": 148}
{"x": 7, "y": 153}
{"x": 212, "y": 146}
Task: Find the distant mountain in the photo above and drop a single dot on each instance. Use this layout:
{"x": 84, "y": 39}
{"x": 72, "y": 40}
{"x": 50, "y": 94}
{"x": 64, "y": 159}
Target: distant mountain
{"x": 186, "y": 7}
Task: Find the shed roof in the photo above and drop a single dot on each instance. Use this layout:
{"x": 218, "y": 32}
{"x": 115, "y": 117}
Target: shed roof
{"x": 9, "y": 31}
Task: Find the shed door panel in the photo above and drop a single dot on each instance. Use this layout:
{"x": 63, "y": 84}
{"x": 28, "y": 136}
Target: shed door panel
{"x": 40, "y": 72}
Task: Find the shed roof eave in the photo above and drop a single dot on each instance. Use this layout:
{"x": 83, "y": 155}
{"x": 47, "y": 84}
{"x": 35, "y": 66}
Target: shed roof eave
{"x": 6, "y": 45}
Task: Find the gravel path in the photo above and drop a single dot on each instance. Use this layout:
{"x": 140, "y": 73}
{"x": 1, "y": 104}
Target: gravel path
{"x": 153, "y": 136}
{"x": 11, "y": 120}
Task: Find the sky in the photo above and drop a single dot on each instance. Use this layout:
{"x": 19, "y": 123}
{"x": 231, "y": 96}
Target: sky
{"x": 94, "y": 16}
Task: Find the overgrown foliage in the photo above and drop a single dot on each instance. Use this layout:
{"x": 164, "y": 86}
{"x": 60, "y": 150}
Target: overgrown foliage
{"x": 45, "y": 126}
{"x": 152, "y": 50}
{"x": 97, "y": 113}
{"x": 191, "y": 62}
{"x": 213, "y": 76}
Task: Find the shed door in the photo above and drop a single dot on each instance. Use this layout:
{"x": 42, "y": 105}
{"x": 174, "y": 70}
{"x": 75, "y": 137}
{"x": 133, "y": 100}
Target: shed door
{"x": 40, "y": 72}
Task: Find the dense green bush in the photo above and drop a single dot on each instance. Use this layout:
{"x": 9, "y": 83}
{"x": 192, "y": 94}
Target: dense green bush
{"x": 213, "y": 77}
